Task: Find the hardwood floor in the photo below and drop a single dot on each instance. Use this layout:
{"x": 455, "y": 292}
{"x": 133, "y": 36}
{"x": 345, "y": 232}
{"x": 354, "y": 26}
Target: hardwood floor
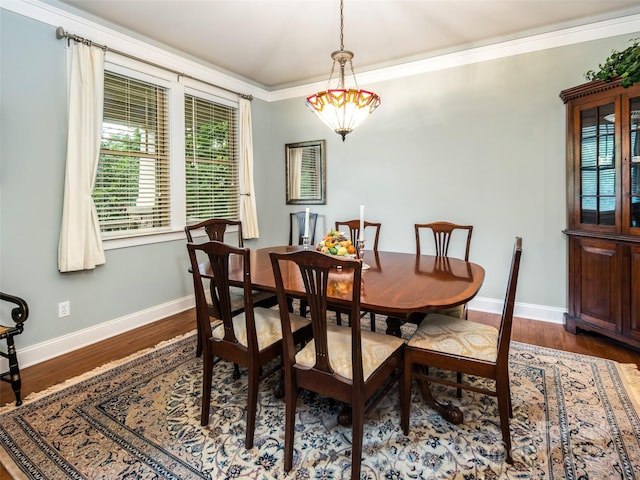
{"x": 43, "y": 375}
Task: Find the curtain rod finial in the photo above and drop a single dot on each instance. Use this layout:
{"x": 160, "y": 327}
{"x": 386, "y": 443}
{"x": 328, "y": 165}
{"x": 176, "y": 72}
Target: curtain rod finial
{"x": 60, "y": 33}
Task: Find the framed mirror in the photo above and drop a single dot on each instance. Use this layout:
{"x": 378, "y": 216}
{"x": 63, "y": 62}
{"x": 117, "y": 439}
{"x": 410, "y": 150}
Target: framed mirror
{"x": 305, "y": 167}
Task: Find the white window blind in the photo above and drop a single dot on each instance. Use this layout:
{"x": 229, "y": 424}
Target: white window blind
{"x": 310, "y": 173}
{"x": 211, "y": 156}
{"x": 132, "y": 185}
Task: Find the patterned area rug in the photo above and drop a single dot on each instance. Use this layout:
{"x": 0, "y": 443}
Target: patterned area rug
{"x": 574, "y": 417}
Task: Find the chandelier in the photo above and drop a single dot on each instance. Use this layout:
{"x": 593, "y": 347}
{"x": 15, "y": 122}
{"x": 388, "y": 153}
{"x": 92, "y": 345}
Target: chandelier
{"x": 342, "y": 109}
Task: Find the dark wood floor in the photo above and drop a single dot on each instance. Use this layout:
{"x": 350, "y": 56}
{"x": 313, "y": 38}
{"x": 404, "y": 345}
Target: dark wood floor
{"x": 43, "y": 375}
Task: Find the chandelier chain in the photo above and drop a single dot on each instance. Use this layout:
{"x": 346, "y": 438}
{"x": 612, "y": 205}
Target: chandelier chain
{"x": 341, "y": 24}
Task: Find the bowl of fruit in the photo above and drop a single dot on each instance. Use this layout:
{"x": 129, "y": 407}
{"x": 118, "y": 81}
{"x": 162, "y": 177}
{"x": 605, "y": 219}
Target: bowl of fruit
{"x": 335, "y": 243}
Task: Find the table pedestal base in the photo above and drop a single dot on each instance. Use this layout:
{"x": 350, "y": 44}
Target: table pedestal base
{"x": 451, "y": 413}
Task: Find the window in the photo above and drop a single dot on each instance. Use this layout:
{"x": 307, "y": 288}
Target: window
{"x": 169, "y": 156}
{"x": 132, "y": 182}
{"x": 211, "y": 156}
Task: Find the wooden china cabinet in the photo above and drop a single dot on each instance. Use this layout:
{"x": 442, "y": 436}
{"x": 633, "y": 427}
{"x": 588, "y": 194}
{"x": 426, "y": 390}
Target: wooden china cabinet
{"x": 603, "y": 209}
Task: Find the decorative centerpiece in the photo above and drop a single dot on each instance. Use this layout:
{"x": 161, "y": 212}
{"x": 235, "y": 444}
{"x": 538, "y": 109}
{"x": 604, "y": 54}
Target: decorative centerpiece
{"x": 335, "y": 243}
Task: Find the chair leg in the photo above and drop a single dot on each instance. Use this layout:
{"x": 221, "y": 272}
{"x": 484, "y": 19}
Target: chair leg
{"x": 372, "y": 316}
{"x": 338, "y": 318}
{"x": 502, "y": 390}
{"x": 459, "y": 390}
{"x": 291, "y": 400}
{"x": 509, "y": 394}
{"x": 252, "y": 405}
{"x": 236, "y": 371}
{"x": 405, "y": 396}
{"x": 357, "y": 429}
{"x": 198, "y": 342}
{"x": 14, "y": 370}
{"x": 207, "y": 373}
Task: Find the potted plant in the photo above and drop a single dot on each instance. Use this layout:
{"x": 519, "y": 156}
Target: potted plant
{"x": 624, "y": 65}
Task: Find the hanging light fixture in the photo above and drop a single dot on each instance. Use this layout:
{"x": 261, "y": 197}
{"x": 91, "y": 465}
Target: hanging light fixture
{"x": 342, "y": 108}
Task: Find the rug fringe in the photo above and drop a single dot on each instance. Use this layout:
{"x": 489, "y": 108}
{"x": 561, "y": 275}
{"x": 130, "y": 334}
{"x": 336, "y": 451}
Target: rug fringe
{"x": 102, "y": 368}
{"x": 630, "y": 376}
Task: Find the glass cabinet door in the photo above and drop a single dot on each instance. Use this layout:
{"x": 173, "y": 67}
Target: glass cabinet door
{"x": 634, "y": 163}
{"x": 598, "y": 165}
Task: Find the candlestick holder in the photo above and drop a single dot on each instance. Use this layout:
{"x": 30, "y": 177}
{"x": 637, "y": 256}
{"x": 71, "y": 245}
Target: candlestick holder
{"x": 305, "y": 242}
{"x": 360, "y": 248}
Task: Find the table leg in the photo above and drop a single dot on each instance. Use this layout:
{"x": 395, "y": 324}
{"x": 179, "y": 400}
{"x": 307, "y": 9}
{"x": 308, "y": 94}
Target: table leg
{"x": 393, "y": 326}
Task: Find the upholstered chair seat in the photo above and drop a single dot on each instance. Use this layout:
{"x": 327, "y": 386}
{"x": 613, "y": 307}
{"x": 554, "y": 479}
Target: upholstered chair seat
{"x": 376, "y": 349}
{"x": 268, "y": 327}
{"x": 237, "y": 296}
{"x": 456, "y": 336}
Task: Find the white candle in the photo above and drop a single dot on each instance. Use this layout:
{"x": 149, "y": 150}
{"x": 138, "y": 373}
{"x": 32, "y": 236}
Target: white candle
{"x": 306, "y": 222}
{"x": 361, "y": 223}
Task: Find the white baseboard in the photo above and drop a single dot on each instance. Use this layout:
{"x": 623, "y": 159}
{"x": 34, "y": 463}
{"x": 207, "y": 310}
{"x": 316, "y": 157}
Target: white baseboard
{"x": 522, "y": 310}
{"x": 58, "y": 346}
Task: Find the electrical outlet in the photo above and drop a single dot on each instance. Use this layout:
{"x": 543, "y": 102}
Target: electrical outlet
{"x": 64, "y": 309}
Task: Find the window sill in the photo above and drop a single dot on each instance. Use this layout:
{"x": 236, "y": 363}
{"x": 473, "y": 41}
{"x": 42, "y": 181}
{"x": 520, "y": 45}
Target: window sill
{"x": 134, "y": 241}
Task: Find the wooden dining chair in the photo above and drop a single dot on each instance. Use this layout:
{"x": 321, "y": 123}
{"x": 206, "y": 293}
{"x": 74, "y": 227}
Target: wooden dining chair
{"x": 354, "y": 235}
{"x": 341, "y": 362}
{"x": 296, "y": 227}
{"x": 251, "y": 338}
{"x": 442, "y": 234}
{"x": 218, "y": 229}
{"x": 354, "y": 231}
{"x": 458, "y": 345}
{"x": 297, "y": 224}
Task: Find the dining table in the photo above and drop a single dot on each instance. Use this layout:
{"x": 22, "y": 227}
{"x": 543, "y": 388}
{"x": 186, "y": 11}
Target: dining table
{"x": 402, "y": 286}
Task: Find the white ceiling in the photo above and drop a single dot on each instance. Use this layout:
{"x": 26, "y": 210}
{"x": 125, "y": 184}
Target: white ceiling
{"x": 280, "y": 43}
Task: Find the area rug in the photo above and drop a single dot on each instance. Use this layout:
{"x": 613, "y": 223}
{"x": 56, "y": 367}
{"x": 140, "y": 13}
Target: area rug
{"x": 575, "y": 417}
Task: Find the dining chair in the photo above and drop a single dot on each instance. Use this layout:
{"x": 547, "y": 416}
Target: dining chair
{"x": 459, "y": 345}
{"x": 19, "y": 314}
{"x": 341, "y": 362}
{"x": 217, "y": 229}
{"x": 354, "y": 230}
{"x": 442, "y": 234}
{"x": 354, "y": 235}
{"x": 296, "y": 219}
{"x": 251, "y": 338}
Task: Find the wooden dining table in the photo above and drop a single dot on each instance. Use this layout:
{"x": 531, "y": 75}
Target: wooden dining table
{"x": 395, "y": 284}
{"x": 402, "y": 286}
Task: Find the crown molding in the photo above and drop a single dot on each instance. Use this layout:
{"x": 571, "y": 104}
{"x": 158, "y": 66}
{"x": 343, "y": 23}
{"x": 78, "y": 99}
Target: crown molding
{"x": 52, "y": 15}
{"x": 97, "y": 33}
{"x": 569, "y": 36}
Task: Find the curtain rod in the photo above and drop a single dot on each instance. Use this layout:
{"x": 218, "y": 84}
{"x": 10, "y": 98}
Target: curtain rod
{"x": 60, "y": 34}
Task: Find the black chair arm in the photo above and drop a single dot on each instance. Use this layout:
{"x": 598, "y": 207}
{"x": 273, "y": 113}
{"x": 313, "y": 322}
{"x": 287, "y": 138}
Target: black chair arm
{"x": 20, "y": 313}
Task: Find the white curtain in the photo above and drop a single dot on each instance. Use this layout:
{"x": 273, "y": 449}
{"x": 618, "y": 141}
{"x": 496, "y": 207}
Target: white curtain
{"x": 248, "y": 215}
{"x": 80, "y": 246}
